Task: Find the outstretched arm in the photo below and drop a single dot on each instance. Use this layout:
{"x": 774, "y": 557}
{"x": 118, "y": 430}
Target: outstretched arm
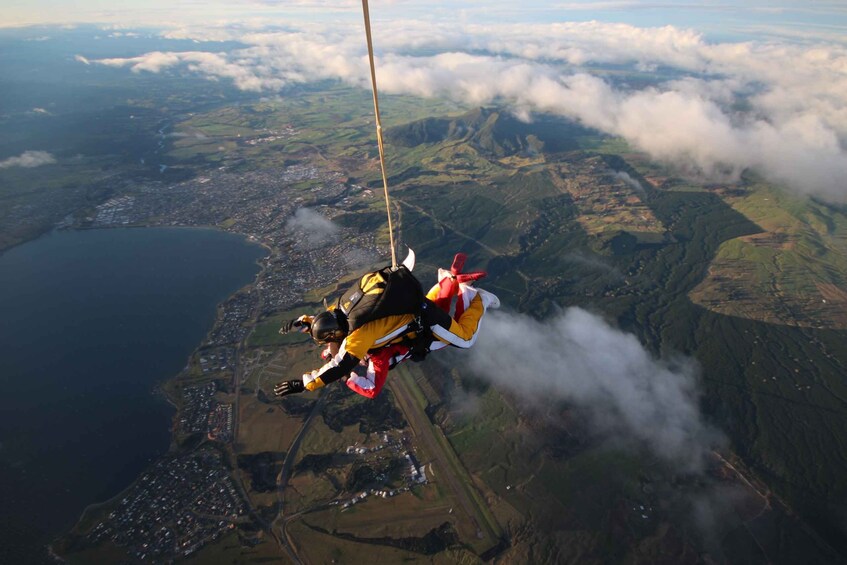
{"x": 302, "y": 324}
{"x": 352, "y": 350}
{"x": 337, "y": 367}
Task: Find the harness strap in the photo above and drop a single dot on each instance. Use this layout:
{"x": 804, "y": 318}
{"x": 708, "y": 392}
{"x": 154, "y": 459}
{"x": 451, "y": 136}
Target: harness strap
{"x": 419, "y": 346}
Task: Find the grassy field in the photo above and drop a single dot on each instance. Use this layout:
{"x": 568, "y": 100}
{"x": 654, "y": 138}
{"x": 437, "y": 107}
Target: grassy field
{"x": 229, "y": 549}
{"x": 266, "y": 332}
{"x": 483, "y": 528}
{"x": 794, "y": 272}
{"x": 333, "y": 123}
{"x": 33, "y": 200}
{"x": 411, "y": 516}
{"x": 264, "y": 427}
{"x": 324, "y": 548}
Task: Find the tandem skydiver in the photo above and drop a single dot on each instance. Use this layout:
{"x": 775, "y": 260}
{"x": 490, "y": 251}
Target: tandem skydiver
{"x": 385, "y": 318}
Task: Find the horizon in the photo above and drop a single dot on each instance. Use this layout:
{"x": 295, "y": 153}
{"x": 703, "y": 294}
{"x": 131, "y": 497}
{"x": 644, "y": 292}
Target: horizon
{"x": 743, "y": 107}
{"x": 728, "y": 20}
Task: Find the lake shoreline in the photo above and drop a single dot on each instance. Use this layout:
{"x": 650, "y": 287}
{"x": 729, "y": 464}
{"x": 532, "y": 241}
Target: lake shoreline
{"x": 155, "y": 386}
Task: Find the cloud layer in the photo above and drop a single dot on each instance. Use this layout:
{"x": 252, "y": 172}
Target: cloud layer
{"x": 579, "y": 358}
{"x": 718, "y": 108}
{"x": 28, "y": 159}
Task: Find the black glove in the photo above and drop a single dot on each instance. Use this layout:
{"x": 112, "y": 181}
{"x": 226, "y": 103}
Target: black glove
{"x": 289, "y": 387}
{"x": 295, "y": 325}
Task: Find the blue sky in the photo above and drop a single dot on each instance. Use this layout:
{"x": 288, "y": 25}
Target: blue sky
{"x": 721, "y": 19}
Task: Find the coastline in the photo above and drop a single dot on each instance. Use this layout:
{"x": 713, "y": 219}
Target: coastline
{"x": 53, "y": 546}
{"x": 160, "y": 385}
{"x": 55, "y": 228}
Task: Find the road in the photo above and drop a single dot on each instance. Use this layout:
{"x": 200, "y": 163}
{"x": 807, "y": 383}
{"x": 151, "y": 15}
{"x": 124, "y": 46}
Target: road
{"x": 238, "y": 373}
{"x": 284, "y": 540}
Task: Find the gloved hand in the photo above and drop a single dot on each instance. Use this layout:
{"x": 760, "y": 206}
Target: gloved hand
{"x": 302, "y": 324}
{"x": 289, "y": 387}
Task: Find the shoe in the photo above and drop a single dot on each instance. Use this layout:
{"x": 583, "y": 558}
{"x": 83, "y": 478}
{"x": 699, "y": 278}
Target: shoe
{"x": 489, "y": 300}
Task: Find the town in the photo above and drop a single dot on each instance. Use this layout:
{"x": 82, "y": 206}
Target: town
{"x": 201, "y": 413}
{"x": 181, "y": 503}
{"x": 413, "y": 472}
{"x": 263, "y": 209}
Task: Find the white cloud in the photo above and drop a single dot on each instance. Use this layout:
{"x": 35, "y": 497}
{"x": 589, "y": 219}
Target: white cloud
{"x": 595, "y": 263}
{"x": 310, "y": 229}
{"x": 322, "y": 5}
{"x": 28, "y": 159}
{"x": 203, "y": 33}
{"x": 624, "y": 176}
{"x": 592, "y": 6}
{"x": 577, "y": 357}
{"x": 243, "y": 71}
{"x": 792, "y": 129}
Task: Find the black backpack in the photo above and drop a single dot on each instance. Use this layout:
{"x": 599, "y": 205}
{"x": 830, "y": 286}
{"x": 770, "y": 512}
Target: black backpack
{"x": 387, "y": 292}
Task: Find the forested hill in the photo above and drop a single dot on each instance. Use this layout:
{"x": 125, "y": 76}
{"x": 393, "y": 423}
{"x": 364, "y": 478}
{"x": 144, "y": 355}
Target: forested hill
{"x": 495, "y": 132}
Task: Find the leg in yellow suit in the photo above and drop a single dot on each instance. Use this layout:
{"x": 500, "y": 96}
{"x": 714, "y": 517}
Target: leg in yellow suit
{"x": 460, "y": 332}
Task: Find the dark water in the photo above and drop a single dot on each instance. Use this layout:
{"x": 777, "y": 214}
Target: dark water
{"x": 90, "y": 321}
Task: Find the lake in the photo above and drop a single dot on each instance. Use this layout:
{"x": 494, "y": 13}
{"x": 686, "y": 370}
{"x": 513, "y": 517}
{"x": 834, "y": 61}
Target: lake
{"x": 90, "y": 322}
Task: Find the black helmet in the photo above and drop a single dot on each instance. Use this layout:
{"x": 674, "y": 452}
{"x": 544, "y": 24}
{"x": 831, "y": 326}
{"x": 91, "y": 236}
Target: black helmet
{"x": 329, "y": 327}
